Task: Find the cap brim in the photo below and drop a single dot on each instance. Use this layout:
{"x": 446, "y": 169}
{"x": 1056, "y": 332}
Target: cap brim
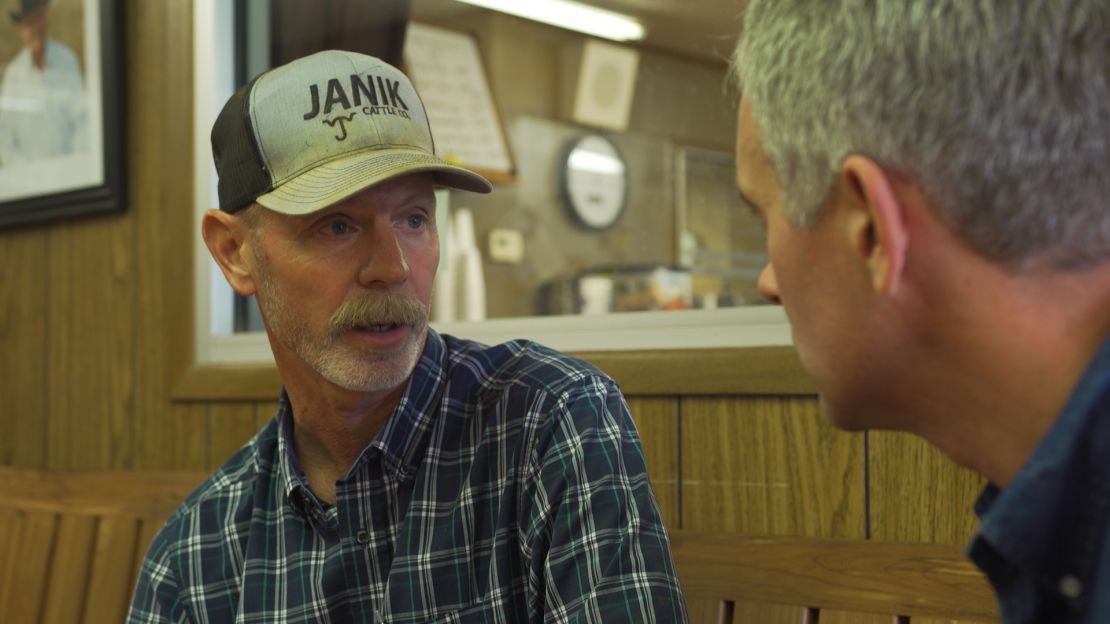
{"x": 334, "y": 181}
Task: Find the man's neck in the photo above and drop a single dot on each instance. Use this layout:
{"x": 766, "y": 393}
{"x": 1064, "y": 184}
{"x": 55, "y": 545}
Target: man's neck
{"x": 333, "y": 426}
{"x": 1012, "y": 362}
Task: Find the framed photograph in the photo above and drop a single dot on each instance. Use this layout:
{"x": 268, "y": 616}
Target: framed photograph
{"x": 62, "y": 136}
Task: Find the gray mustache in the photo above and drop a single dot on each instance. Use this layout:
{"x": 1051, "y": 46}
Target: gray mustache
{"x": 377, "y": 309}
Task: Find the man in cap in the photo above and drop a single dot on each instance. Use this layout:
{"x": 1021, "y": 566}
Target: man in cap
{"x": 934, "y": 180}
{"x": 407, "y": 476}
{"x": 42, "y": 95}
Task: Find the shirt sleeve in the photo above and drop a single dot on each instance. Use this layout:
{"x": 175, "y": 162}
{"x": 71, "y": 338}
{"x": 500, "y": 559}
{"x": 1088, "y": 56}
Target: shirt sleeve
{"x": 597, "y": 547}
{"x": 157, "y": 596}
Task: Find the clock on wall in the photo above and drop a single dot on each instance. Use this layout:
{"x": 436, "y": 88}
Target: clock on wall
{"x": 594, "y": 181}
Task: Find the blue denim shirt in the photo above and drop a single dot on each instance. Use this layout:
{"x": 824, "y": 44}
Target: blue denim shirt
{"x": 1042, "y": 540}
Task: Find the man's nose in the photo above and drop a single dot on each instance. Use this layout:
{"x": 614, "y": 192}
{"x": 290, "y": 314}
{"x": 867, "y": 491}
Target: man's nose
{"x": 385, "y": 263}
{"x": 768, "y": 285}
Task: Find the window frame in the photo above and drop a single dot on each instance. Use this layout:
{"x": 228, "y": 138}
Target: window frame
{"x": 697, "y": 336}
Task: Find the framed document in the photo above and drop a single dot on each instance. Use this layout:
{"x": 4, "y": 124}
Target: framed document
{"x": 447, "y": 70}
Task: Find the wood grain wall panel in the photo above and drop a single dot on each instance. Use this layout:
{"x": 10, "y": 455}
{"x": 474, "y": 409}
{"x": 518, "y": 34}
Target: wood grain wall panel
{"x": 917, "y": 493}
{"x": 171, "y": 436}
{"x": 709, "y": 372}
{"x": 263, "y": 412}
{"x": 91, "y": 343}
{"x": 167, "y": 436}
{"x": 229, "y": 426}
{"x": 23, "y": 347}
{"x": 769, "y": 466}
{"x": 657, "y": 422}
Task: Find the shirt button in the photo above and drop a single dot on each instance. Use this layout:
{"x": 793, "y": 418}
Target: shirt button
{"x": 362, "y": 537}
{"x": 1070, "y": 586}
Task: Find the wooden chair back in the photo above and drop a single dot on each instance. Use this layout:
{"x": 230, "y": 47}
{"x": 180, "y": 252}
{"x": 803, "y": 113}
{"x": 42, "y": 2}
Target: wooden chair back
{"x": 900, "y": 583}
{"x": 71, "y": 542}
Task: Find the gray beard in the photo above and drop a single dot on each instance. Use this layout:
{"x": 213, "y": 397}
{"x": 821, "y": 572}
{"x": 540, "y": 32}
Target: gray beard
{"x": 342, "y": 364}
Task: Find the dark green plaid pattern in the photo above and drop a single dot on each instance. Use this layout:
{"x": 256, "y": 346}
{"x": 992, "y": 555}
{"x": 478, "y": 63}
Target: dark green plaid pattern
{"x": 507, "y": 486}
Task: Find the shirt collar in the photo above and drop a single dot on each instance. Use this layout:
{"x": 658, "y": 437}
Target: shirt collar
{"x": 291, "y": 479}
{"x": 403, "y": 439}
{"x": 1028, "y": 522}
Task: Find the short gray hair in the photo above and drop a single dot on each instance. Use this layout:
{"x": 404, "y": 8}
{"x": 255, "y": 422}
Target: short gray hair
{"x": 251, "y": 215}
{"x": 999, "y": 109}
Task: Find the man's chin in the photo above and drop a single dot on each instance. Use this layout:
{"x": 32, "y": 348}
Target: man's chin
{"x": 372, "y": 370}
{"x": 367, "y": 377}
{"x": 364, "y": 385}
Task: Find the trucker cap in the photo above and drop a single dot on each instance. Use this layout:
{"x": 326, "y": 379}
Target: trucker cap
{"x": 313, "y": 132}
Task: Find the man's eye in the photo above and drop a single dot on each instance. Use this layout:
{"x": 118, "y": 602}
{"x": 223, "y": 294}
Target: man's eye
{"x": 416, "y": 221}
{"x": 338, "y": 228}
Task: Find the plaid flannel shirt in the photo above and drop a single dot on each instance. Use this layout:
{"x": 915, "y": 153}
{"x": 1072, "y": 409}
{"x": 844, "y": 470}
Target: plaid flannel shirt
{"x": 507, "y": 486}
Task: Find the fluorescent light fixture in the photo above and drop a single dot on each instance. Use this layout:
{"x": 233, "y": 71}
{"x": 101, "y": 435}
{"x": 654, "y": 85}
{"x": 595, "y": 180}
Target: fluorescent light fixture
{"x": 570, "y": 15}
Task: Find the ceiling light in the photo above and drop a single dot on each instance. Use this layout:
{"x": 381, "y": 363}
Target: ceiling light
{"x": 570, "y": 15}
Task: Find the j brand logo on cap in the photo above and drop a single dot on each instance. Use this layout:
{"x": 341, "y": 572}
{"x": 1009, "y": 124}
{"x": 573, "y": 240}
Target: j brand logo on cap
{"x": 375, "y": 90}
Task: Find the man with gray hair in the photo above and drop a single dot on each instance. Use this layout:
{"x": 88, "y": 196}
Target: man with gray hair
{"x": 934, "y": 180}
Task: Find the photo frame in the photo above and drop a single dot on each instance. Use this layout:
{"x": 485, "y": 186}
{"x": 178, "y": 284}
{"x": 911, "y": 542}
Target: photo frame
{"x": 62, "y": 131}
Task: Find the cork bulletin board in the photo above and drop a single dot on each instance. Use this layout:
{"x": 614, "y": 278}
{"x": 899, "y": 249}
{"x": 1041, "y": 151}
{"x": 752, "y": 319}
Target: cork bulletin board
{"x": 446, "y": 67}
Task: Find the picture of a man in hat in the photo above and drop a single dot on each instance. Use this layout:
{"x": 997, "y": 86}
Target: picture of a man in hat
{"x": 43, "y": 106}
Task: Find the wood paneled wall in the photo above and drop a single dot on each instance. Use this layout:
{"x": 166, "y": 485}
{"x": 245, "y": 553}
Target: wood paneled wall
{"x": 94, "y": 312}
{"x": 91, "y": 344}
{"x": 92, "y": 309}
{"x": 772, "y": 465}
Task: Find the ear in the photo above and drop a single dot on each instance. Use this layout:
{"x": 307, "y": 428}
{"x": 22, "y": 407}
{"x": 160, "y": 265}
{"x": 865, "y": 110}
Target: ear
{"x": 228, "y": 241}
{"x": 878, "y": 226}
